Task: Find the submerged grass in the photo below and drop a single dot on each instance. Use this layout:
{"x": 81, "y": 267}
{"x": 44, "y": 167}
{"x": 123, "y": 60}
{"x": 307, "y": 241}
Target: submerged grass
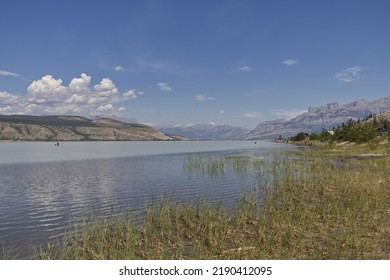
{"x": 6, "y": 253}
{"x": 311, "y": 209}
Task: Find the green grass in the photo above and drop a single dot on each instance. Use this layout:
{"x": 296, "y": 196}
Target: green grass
{"x": 303, "y": 207}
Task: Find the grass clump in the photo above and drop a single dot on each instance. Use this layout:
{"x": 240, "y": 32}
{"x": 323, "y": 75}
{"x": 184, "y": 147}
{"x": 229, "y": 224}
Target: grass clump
{"x": 205, "y": 163}
{"x": 308, "y": 208}
{"x": 6, "y": 252}
{"x": 96, "y": 238}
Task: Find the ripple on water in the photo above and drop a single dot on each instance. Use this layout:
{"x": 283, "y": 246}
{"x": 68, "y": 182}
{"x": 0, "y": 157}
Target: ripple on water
{"x": 38, "y": 200}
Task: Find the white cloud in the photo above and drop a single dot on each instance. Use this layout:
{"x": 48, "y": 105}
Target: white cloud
{"x": 106, "y": 88}
{"x": 46, "y": 86}
{"x": 130, "y": 95}
{"x": 164, "y": 86}
{"x": 8, "y": 98}
{"x": 250, "y": 115}
{"x": 201, "y": 97}
{"x": 80, "y": 85}
{"x": 48, "y": 95}
{"x": 119, "y": 68}
{"x": 47, "y": 90}
{"x": 7, "y": 73}
{"x": 30, "y": 108}
{"x": 350, "y": 74}
{"x": 63, "y": 109}
{"x": 222, "y": 112}
{"x": 287, "y": 113}
{"x": 105, "y": 108}
{"x": 96, "y": 100}
{"x": 75, "y": 98}
{"x": 108, "y": 109}
{"x": 290, "y": 61}
{"x": 6, "y": 110}
{"x": 246, "y": 68}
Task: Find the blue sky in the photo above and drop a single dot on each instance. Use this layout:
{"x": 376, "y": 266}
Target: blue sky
{"x": 179, "y": 62}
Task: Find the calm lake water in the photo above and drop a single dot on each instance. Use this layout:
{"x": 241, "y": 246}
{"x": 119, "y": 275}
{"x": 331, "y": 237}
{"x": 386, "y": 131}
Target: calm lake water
{"x": 43, "y": 187}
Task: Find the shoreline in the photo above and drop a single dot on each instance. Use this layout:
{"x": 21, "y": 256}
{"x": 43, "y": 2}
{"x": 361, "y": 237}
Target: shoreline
{"x": 311, "y": 211}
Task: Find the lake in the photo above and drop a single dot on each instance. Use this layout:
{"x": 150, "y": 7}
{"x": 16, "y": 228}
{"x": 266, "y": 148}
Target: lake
{"x": 44, "y": 186}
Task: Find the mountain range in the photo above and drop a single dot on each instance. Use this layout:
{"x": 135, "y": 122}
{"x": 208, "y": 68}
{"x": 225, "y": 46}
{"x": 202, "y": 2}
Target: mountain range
{"x": 314, "y": 120}
{"x": 206, "y": 131}
{"x": 318, "y": 118}
{"x": 75, "y": 128}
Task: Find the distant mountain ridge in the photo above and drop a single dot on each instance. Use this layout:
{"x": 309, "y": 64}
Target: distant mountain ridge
{"x": 317, "y": 118}
{"x": 76, "y": 128}
{"x": 73, "y": 128}
{"x": 206, "y": 131}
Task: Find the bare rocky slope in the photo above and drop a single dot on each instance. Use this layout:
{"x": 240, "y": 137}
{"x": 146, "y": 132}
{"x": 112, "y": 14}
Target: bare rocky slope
{"x": 73, "y": 128}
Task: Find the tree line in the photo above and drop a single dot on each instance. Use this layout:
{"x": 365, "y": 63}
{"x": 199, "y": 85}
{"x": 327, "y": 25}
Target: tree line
{"x": 359, "y": 131}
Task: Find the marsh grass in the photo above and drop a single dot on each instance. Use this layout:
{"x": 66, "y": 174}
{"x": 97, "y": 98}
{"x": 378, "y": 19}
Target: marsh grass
{"x": 6, "y": 252}
{"x": 206, "y": 164}
{"x": 302, "y": 208}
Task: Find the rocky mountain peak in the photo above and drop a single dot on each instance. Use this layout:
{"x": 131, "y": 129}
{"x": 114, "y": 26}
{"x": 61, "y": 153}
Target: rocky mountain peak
{"x": 327, "y": 107}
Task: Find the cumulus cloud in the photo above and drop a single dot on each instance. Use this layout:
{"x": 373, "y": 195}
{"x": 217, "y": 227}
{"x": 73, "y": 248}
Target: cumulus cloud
{"x": 106, "y": 88}
{"x": 47, "y": 90}
{"x": 80, "y": 85}
{"x": 77, "y": 99}
{"x": 104, "y": 108}
{"x": 49, "y": 95}
{"x": 290, "y": 61}
{"x": 46, "y": 86}
{"x": 63, "y": 109}
{"x": 7, "y": 98}
{"x": 164, "y": 86}
{"x": 201, "y": 97}
{"x": 130, "y": 94}
{"x": 6, "y": 110}
{"x": 108, "y": 109}
{"x": 7, "y": 73}
{"x": 350, "y": 74}
{"x": 246, "y": 68}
